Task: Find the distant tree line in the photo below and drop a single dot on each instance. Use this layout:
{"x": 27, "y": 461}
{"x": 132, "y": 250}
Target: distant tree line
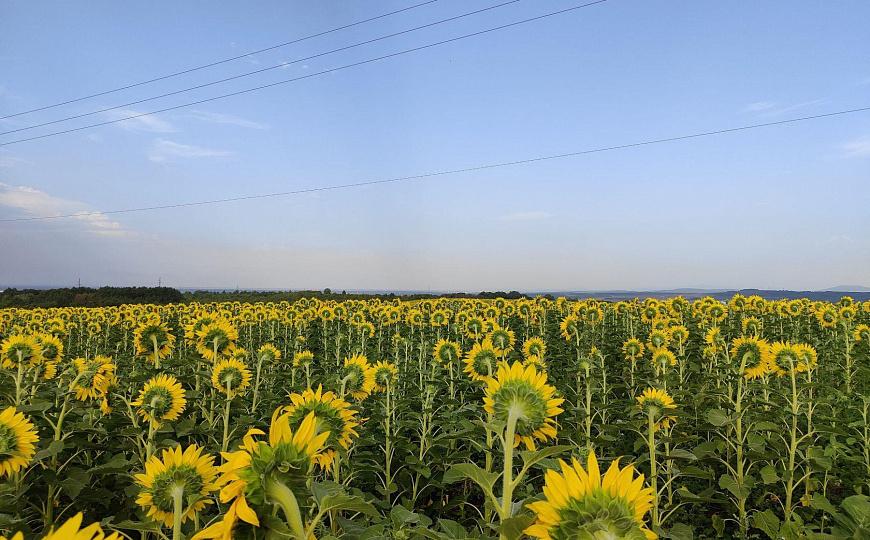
{"x": 116, "y": 296}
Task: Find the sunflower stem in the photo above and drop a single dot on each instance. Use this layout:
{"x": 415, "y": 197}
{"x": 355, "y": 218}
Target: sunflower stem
{"x": 177, "y": 502}
{"x": 507, "y": 475}
{"x": 278, "y": 493}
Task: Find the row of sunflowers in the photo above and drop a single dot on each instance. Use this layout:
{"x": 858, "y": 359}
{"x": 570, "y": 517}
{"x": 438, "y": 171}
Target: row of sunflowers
{"x": 440, "y": 419}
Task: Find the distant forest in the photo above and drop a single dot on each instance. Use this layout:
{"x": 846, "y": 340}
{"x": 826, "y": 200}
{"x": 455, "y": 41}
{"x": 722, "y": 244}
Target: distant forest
{"x": 116, "y": 296}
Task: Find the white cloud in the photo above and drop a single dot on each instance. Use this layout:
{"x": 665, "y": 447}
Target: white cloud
{"x": 526, "y": 216}
{"x": 216, "y": 118}
{"x": 38, "y": 203}
{"x": 162, "y": 150}
{"x": 760, "y": 106}
{"x": 140, "y": 123}
{"x": 858, "y": 147}
{"x": 9, "y": 161}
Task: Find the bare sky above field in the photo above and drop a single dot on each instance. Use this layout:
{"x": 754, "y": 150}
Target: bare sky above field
{"x": 779, "y": 207}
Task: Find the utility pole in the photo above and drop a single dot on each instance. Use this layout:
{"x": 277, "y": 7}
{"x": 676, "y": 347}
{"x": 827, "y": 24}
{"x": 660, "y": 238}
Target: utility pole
{"x": 80, "y": 282}
{"x": 159, "y": 281}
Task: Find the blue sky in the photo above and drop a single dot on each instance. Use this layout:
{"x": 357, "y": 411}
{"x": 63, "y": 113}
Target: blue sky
{"x": 780, "y": 207}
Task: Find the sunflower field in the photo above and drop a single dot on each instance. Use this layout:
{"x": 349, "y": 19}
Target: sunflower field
{"x": 438, "y": 419}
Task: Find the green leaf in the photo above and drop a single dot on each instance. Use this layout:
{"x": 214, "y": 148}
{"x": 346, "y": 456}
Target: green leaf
{"x": 769, "y": 475}
{"x": 51, "y": 450}
{"x": 138, "y": 525}
{"x": 726, "y": 481}
{"x": 343, "y": 501}
{"x": 452, "y": 530}
{"x": 512, "y": 528}
{"x": 532, "y": 457}
{"x": 768, "y": 523}
{"x": 678, "y": 453}
{"x": 681, "y": 531}
{"x": 460, "y": 472}
{"x": 717, "y": 417}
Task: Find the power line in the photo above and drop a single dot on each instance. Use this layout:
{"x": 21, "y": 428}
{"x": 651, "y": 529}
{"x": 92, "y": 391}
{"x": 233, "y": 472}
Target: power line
{"x": 332, "y": 70}
{"x": 448, "y": 172}
{"x": 257, "y": 71}
{"x": 219, "y": 62}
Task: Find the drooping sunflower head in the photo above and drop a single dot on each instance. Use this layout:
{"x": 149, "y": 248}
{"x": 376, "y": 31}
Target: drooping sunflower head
{"x": 808, "y": 358}
{"x": 714, "y": 338}
{"x": 357, "y": 377}
{"x": 679, "y": 334}
{"x": 502, "y": 340}
{"x": 481, "y": 360}
{"x": 446, "y": 352}
{"x": 580, "y": 504}
{"x": 216, "y": 339}
{"x": 752, "y": 326}
{"x": 189, "y": 474}
{"x": 632, "y": 348}
{"x": 569, "y": 328}
{"x": 536, "y": 361}
{"x": 20, "y": 348}
{"x": 862, "y": 333}
{"x": 384, "y": 375}
{"x": 520, "y": 393}
{"x": 474, "y": 327}
{"x": 751, "y": 352}
{"x": 230, "y": 376}
{"x": 153, "y": 338}
{"x": 827, "y": 316}
{"x": 333, "y": 415}
{"x": 17, "y": 441}
{"x": 847, "y": 313}
{"x": 782, "y": 358}
{"x": 658, "y": 339}
{"x": 269, "y": 353}
{"x": 93, "y": 377}
{"x": 662, "y": 359}
{"x": 303, "y": 358}
{"x": 52, "y": 347}
{"x": 534, "y": 346}
{"x": 162, "y": 399}
{"x": 655, "y": 402}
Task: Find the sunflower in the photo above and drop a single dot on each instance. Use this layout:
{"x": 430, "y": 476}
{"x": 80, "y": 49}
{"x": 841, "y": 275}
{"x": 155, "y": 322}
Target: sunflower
{"x": 862, "y": 333}
{"x": 93, "y": 377}
{"x": 215, "y": 339}
{"x": 269, "y": 352}
{"x": 632, "y": 348}
{"x": 230, "y": 376}
{"x": 20, "y": 348}
{"x": 536, "y": 361}
{"x": 714, "y": 338}
{"x": 569, "y": 329}
{"x": 17, "y": 439}
{"x": 357, "y": 378}
{"x": 808, "y": 358}
{"x": 480, "y": 361}
{"x": 303, "y": 358}
{"x": 161, "y": 399}
{"x": 502, "y": 340}
{"x": 52, "y": 347}
{"x": 827, "y": 316}
{"x": 286, "y": 460}
{"x": 70, "y": 531}
{"x": 782, "y": 357}
{"x": 474, "y": 327}
{"x": 680, "y": 334}
{"x": 654, "y": 402}
{"x": 522, "y": 393}
{"x": 188, "y": 474}
{"x": 109, "y": 396}
{"x": 446, "y": 352}
{"x": 333, "y": 415}
{"x": 658, "y": 339}
{"x": 662, "y": 359}
{"x": 579, "y": 503}
{"x": 752, "y": 325}
{"x": 751, "y": 352}
{"x": 153, "y": 340}
{"x": 534, "y": 347}
{"x": 384, "y": 375}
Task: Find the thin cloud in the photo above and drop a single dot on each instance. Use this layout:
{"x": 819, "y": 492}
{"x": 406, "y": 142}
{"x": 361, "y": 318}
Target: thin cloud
{"x": 760, "y": 106}
{"x": 858, "y": 147}
{"x": 777, "y": 109}
{"x": 216, "y": 118}
{"x": 163, "y": 150}
{"x": 34, "y": 202}
{"x": 142, "y": 123}
{"x": 10, "y": 161}
{"x": 526, "y": 216}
